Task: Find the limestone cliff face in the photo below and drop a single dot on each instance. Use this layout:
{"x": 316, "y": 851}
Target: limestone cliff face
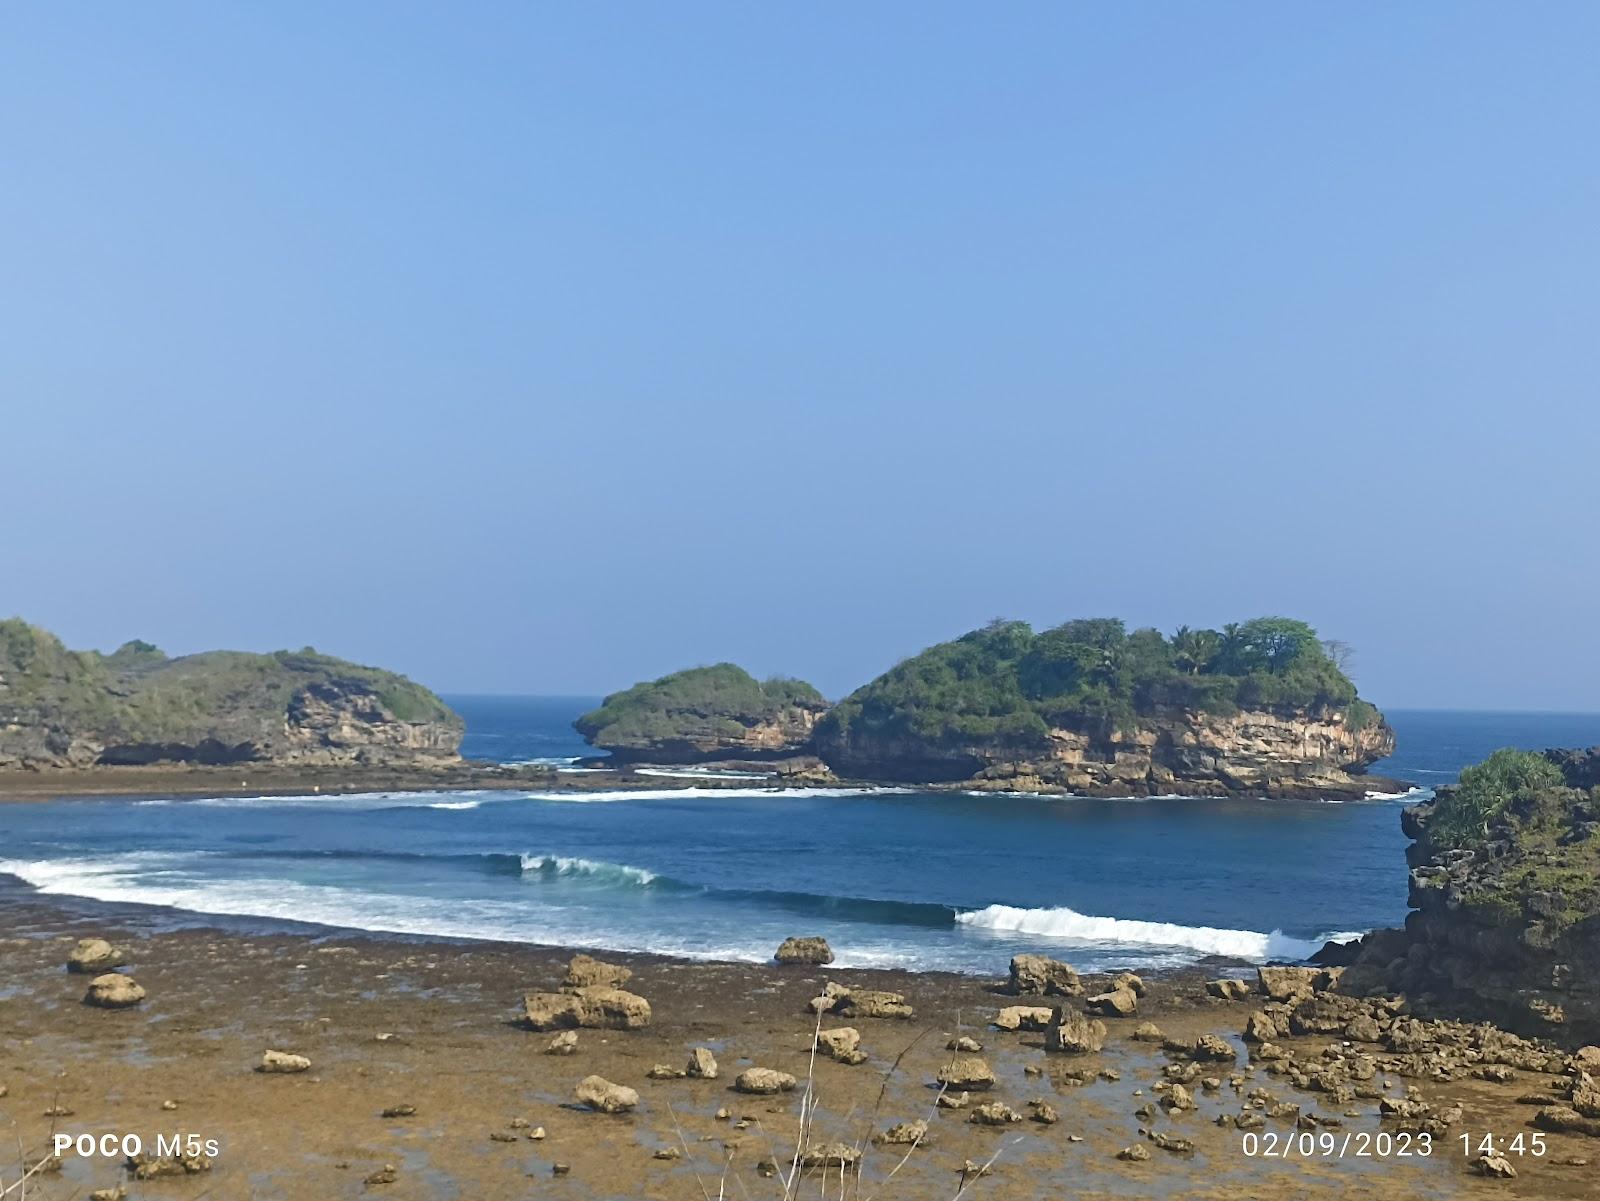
{"x": 1187, "y": 753}
{"x": 718, "y": 712}
{"x": 1506, "y": 929}
{"x": 62, "y": 708}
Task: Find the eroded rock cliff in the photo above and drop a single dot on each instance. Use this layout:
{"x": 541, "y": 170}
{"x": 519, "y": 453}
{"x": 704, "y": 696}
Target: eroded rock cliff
{"x": 1505, "y": 893}
{"x": 1259, "y": 708}
{"x": 1259, "y": 753}
{"x": 64, "y": 708}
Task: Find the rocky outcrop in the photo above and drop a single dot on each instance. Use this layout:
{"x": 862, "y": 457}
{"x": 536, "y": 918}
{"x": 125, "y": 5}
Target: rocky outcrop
{"x": 62, "y": 708}
{"x": 283, "y": 1063}
{"x": 1255, "y": 752}
{"x": 113, "y": 991}
{"x": 93, "y": 957}
{"x": 1505, "y": 896}
{"x": 809, "y": 950}
{"x": 705, "y": 713}
{"x": 763, "y": 1082}
{"x": 1039, "y": 975}
{"x": 601, "y": 1095}
{"x": 595, "y": 1007}
{"x": 1260, "y": 709}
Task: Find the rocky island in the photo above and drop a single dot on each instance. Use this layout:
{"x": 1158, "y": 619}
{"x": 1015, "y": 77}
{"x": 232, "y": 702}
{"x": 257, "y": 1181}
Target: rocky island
{"x": 706, "y": 713}
{"x": 61, "y": 708}
{"x": 1259, "y": 708}
{"x": 1505, "y": 896}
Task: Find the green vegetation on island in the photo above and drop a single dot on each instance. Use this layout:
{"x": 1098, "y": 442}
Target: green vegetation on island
{"x": 1530, "y": 825}
{"x": 1006, "y": 682}
{"x": 1505, "y": 885}
{"x": 705, "y": 710}
{"x": 138, "y": 705}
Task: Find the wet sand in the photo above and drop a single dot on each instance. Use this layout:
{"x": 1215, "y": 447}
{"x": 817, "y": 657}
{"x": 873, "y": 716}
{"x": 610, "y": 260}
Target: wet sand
{"x": 434, "y": 1025}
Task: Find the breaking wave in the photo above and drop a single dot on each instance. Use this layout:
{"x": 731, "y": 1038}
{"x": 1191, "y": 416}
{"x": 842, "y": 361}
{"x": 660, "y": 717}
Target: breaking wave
{"x": 593, "y": 869}
{"x": 1069, "y": 925}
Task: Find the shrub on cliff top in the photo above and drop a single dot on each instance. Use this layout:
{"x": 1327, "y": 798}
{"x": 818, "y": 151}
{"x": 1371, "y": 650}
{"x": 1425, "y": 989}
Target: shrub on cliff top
{"x": 1508, "y": 781}
{"x": 1006, "y": 681}
{"x": 654, "y": 709}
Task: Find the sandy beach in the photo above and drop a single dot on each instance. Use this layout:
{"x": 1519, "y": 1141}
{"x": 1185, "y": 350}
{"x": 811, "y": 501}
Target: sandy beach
{"x": 431, "y": 1026}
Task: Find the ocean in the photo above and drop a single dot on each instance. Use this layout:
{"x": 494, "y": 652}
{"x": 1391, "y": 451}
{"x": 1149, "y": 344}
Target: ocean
{"x": 893, "y": 878}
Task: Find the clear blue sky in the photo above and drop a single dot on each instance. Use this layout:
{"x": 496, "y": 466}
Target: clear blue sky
{"x": 545, "y": 347}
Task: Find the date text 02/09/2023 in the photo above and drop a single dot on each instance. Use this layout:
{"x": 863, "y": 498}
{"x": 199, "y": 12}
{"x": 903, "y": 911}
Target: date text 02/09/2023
{"x": 1383, "y": 1144}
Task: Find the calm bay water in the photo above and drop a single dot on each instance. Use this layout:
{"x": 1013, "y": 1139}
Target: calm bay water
{"x": 891, "y": 878}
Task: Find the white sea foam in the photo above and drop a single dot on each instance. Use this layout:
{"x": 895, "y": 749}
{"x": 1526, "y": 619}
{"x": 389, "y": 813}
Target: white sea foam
{"x": 1069, "y": 925}
{"x": 558, "y": 865}
{"x": 432, "y": 799}
{"x": 1410, "y": 794}
{"x": 455, "y": 804}
{"x": 701, "y": 773}
{"x": 694, "y": 791}
{"x": 131, "y": 879}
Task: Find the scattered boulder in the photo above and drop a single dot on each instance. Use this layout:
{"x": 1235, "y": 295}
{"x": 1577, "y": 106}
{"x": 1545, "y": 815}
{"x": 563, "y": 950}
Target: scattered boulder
{"x": 565, "y": 1043}
{"x": 1495, "y": 1166}
{"x": 1263, "y": 1027}
{"x": 812, "y": 951}
{"x": 702, "y": 1065}
{"x": 1148, "y": 1032}
{"x": 904, "y": 1134}
{"x": 966, "y": 1073}
{"x": 282, "y": 1062}
{"x": 965, "y": 1045}
{"x": 93, "y": 956}
{"x": 399, "y": 1111}
{"x": 1289, "y": 983}
{"x": 149, "y": 1166}
{"x": 1024, "y": 1017}
{"x": 840, "y": 1042}
{"x": 952, "y": 1100}
{"x": 1562, "y": 1119}
{"x": 665, "y": 1071}
{"x": 1134, "y": 984}
{"x": 387, "y": 1174}
{"x": 1039, "y": 975}
{"x": 871, "y": 1003}
{"x": 995, "y": 1113}
{"x": 1230, "y": 990}
{"x": 1177, "y": 1099}
{"x": 585, "y": 971}
{"x": 1171, "y": 1142}
{"x": 1137, "y": 1153}
{"x": 1044, "y": 1113}
{"x": 763, "y": 1082}
{"x": 1586, "y": 1096}
{"x": 1213, "y": 1047}
{"x": 601, "y": 1095}
{"x": 832, "y": 997}
{"x": 830, "y": 1157}
{"x": 1119, "y": 1002}
{"x": 1071, "y": 1033}
{"x": 113, "y": 991}
{"x": 596, "y": 1007}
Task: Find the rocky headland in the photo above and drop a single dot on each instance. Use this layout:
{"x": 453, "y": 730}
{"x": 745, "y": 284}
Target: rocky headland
{"x": 65, "y": 709}
{"x": 1259, "y": 708}
{"x": 706, "y": 713}
{"x": 1505, "y": 896}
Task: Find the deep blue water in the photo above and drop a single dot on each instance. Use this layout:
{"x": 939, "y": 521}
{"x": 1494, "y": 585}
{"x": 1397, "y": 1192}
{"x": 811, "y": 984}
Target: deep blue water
{"x": 891, "y": 878}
